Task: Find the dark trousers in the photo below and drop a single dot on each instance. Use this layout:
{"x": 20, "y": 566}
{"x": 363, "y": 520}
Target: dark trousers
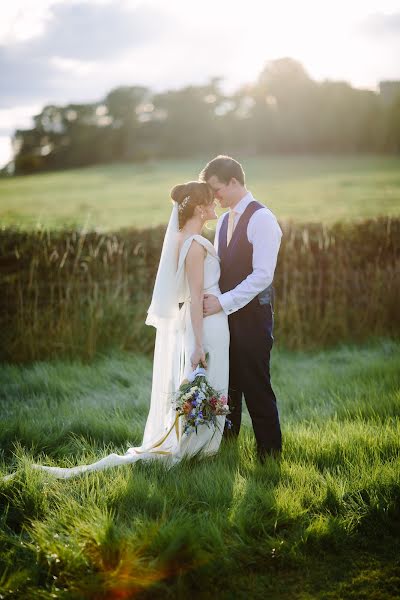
{"x": 251, "y": 342}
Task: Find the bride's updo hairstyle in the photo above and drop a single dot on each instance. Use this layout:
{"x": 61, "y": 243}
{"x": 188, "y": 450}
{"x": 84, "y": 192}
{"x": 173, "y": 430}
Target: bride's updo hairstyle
{"x": 188, "y": 196}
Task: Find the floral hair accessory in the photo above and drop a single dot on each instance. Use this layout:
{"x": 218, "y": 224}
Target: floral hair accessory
{"x": 182, "y": 205}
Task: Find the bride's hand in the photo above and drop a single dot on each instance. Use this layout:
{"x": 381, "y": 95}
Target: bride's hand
{"x": 198, "y": 357}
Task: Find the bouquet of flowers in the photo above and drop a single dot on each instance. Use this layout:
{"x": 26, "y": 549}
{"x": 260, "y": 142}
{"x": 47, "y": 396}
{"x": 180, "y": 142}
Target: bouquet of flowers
{"x": 199, "y": 402}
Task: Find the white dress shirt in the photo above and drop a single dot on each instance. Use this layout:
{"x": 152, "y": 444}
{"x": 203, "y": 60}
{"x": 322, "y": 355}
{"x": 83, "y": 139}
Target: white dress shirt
{"x": 264, "y": 233}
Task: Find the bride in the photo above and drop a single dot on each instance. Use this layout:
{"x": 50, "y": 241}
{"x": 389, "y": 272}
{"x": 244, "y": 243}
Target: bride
{"x": 189, "y": 267}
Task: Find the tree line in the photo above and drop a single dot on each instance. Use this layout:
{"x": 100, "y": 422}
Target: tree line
{"x": 283, "y": 111}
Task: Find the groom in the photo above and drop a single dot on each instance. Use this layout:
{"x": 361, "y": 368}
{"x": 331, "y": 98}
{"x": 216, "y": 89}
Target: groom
{"x": 247, "y": 239}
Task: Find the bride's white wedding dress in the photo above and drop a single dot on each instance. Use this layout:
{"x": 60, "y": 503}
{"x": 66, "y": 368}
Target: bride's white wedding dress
{"x": 163, "y": 436}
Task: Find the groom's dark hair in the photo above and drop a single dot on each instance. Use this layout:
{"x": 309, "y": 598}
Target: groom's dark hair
{"x": 224, "y": 167}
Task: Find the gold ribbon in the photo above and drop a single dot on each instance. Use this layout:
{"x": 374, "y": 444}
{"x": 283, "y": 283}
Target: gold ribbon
{"x": 175, "y": 425}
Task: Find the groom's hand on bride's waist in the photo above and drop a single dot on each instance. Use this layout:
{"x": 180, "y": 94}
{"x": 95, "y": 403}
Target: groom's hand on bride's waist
{"x": 211, "y": 305}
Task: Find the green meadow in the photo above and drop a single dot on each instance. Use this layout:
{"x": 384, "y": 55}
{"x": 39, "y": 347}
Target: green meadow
{"x": 305, "y": 188}
{"x": 324, "y": 523}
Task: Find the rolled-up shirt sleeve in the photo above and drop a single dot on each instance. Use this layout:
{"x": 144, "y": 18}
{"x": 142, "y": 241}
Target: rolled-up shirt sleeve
{"x": 264, "y": 233}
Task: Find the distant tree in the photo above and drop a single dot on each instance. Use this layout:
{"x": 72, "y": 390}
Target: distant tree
{"x": 125, "y": 106}
{"x": 346, "y": 119}
{"x": 189, "y": 120}
{"x": 285, "y": 98}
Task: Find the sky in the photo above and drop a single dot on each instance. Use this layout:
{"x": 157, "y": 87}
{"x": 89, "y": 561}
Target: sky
{"x": 62, "y": 51}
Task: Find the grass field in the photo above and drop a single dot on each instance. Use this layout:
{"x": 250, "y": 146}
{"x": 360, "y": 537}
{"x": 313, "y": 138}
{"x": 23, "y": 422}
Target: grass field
{"x": 307, "y": 188}
{"x": 324, "y": 524}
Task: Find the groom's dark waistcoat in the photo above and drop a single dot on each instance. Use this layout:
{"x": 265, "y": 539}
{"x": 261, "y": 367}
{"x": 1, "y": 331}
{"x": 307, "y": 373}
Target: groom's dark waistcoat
{"x": 237, "y": 257}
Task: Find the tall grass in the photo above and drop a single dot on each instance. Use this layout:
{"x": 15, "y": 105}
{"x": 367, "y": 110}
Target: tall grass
{"x": 324, "y": 523}
{"x": 76, "y": 293}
